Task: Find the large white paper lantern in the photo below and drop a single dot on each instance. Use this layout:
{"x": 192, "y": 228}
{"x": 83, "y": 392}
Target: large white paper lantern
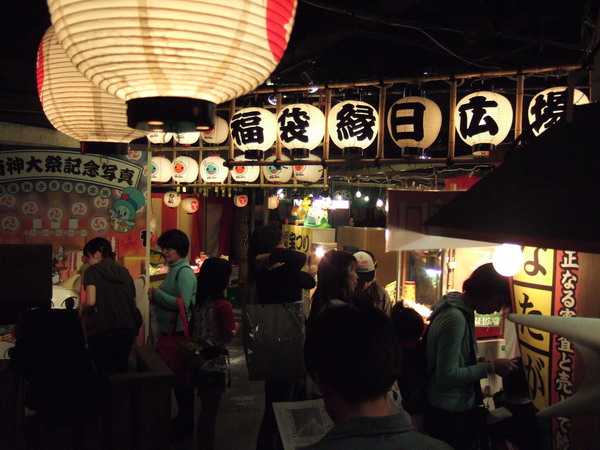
{"x": 253, "y": 131}
{"x": 185, "y": 169}
{"x": 244, "y": 174}
{"x": 275, "y": 174}
{"x": 353, "y": 126}
{"x": 172, "y": 199}
{"x": 301, "y": 128}
{"x": 161, "y": 169}
{"x": 187, "y": 138}
{"x": 309, "y": 173}
{"x": 190, "y": 205}
{"x": 414, "y": 124}
{"x": 174, "y": 61}
{"x": 549, "y": 106}
{"x": 77, "y": 108}
{"x": 218, "y": 135}
{"x": 159, "y": 137}
{"x": 483, "y": 118}
{"x": 213, "y": 170}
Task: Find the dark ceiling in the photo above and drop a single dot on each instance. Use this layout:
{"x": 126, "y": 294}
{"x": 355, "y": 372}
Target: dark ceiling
{"x": 346, "y": 40}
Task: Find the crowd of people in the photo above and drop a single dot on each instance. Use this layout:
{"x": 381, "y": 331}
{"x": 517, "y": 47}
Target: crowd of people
{"x": 357, "y": 345}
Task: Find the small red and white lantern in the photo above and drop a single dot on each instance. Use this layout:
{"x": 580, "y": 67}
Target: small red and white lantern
{"x": 309, "y": 173}
{"x": 161, "y": 169}
{"x": 281, "y": 174}
{"x": 483, "y": 118}
{"x": 244, "y": 174}
{"x": 172, "y": 199}
{"x": 414, "y": 124}
{"x": 301, "y": 128}
{"x": 190, "y": 205}
{"x": 253, "y": 131}
{"x": 160, "y": 137}
{"x": 353, "y": 126}
{"x": 549, "y": 106}
{"x": 185, "y": 169}
{"x": 187, "y": 138}
{"x": 213, "y": 170}
{"x": 218, "y": 135}
{"x": 240, "y": 200}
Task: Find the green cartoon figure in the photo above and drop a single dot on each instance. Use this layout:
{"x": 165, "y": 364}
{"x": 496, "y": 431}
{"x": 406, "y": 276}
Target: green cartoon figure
{"x": 125, "y": 209}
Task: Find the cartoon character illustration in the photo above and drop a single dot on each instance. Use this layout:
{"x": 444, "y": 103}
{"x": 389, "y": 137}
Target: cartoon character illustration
{"x": 211, "y": 169}
{"x": 125, "y": 209}
{"x": 318, "y": 216}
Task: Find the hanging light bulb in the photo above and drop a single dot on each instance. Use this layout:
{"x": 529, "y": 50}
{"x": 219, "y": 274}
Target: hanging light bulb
{"x": 379, "y": 203}
{"x": 508, "y": 259}
{"x": 358, "y": 193}
{"x": 367, "y": 199}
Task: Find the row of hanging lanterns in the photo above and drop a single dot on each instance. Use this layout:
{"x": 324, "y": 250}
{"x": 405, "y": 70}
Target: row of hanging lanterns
{"x": 212, "y": 169}
{"x": 483, "y": 120}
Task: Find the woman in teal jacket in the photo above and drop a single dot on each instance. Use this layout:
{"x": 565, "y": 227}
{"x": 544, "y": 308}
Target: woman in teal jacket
{"x": 180, "y": 282}
{"x": 453, "y": 390}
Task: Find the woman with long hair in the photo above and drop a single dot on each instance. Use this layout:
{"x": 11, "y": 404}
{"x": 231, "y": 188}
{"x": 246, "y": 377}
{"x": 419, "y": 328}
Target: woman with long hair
{"x": 212, "y": 323}
{"x": 109, "y": 308}
{"x": 336, "y": 281}
{"x": 453, "y": 389}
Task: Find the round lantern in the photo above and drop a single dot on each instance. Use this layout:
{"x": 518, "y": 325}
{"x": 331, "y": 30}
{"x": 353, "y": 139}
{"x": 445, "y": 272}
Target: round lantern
{"x": 309, "y": 174}
{"x": 253, "y": 131}
{"x": 549, "y": 106}
{"x": 76, "y": 107}
{"x": 190, "y": 205}
{"x": 414, "y": 124}
{"x": 353, "y": 126}
{"x": 161, "y": 169}
{"x": 301, "y": 128}
{"x": 273, "y": 202}
{"x": 159, "y": 137}
{"x": 483, "y": 118}
{"x": 218, "y": 135}
{"x": 508, "y": 259}
{"x": 213, "y": 170}
{"x": 187, "y": 138}
{"x": 280, "y": 174}
{"x": 244, "y": 174}
{"x": 172, "y": 199}
{"x": 173, "y": 64}
{"x": 240, "y": 200}
{"x": 185, "y": 169}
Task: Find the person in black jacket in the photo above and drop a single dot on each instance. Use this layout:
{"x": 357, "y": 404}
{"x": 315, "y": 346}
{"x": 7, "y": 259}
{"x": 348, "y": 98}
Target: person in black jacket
{"x": 108, "y": 308}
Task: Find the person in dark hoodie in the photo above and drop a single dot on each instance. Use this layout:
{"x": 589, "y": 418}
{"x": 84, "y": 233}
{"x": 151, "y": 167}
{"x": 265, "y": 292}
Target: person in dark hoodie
{"x": 108, "y": 308}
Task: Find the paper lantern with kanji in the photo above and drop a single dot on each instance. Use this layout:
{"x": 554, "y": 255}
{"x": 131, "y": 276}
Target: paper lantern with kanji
{"x": 218, "y": 135}
{"x": 353, "y": 126}
{"x": 161, "y": 169}
{"x": 414, "y": 124}
{"x": 77, "y": 108}
{"x": 213, "y": 170}
{"x": 173, "y": 62}
{"x": 549, "y": 106}
{"x": 244, "y": 174}
{"x": 301, "y": 128}
{"x": 190, "y": 205}
{"x": 159, "y": 137}
{"x": 483, "y": 118}
{"x": 172, "y": 199}
{"x": 280, "y": 174}
{"x": 253, "y": 131}
{"x": 308, "y": 173}
{"x": 240, "y": 200}
{"x": 185, "y": 169}
{"x": 187, "y": 138}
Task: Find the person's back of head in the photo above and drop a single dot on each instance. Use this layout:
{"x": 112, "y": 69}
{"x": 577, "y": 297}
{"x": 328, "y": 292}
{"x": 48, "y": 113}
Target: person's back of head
{"x": 332, "y": 278}
{"x": 264, "y": 240}
{"x": 408, "y": 323}
{"x": 98, "y": 244}
{"x": 485, "y": 282}
{"x": 354, "y": 353}
{"x": 175, "y": 239}
{"x": 213, "y": 279}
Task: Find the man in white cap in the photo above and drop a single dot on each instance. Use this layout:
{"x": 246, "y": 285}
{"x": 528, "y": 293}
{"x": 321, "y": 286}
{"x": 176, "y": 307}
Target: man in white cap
{"x": 367, "y": 264}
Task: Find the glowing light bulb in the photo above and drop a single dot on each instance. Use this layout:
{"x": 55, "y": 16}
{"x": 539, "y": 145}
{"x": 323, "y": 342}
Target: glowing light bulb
{"x": 367, "y": 199}
{"x": 508, "y": 259}
{"x": 358, "y": 194}
{"x": 379, "y": 203}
